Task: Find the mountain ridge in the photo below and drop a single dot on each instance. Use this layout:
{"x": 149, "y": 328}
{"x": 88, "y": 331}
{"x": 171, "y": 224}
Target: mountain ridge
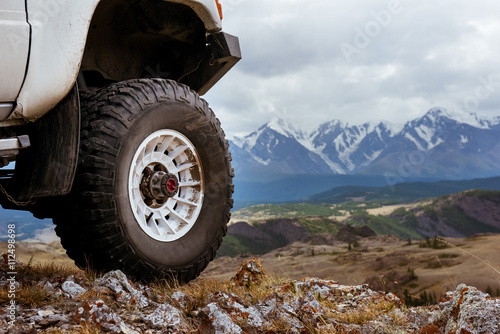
{"x": 451, "y": 146}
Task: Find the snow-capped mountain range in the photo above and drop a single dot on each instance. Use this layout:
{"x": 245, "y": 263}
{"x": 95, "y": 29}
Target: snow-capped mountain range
{"x": 438, "y": 145}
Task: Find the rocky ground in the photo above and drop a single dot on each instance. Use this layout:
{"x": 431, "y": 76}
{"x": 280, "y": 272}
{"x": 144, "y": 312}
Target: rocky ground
{"x": 251, "y": 302}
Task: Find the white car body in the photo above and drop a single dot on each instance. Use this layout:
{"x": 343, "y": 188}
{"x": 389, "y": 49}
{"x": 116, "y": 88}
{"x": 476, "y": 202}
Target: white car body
{"x": 41, "y": 51}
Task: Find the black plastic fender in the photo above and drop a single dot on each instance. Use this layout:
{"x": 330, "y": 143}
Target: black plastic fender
{"x": 48, "y": 167}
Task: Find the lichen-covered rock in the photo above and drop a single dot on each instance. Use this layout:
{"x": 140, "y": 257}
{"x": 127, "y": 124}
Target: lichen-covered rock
{"x": 277, "y": 310}
{"x": 238, "y": 310}
{"x": 250, "y": 272}
{"x": 78, "y": 278}
{"x": 168, "y": 319}
{"x": 298, "y": 306}
{"x": 347, "y": 295}
{"x": 96, "y": 312}
{"x": 72, "y": 289}
{"x": 468, "y": 311}
{"x": 125, "y": 291}
{"x": 216, "y": 320}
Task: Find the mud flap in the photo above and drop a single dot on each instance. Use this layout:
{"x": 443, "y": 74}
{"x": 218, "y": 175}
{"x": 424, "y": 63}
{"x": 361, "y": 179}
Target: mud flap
{"x": 48, "y": 167}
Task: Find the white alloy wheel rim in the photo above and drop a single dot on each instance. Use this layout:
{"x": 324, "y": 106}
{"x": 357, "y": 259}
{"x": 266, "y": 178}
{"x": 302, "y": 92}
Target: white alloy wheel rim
{"x": 166, "y": 152}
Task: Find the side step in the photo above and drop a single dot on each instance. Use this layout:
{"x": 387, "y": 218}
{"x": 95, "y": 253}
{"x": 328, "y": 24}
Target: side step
{"x": 10, "y": 147}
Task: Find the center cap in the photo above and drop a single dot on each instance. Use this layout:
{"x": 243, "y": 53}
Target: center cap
{"x": 169, "y": 185}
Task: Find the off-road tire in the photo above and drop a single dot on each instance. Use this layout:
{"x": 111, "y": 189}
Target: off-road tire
{"x": 98, "y": 227}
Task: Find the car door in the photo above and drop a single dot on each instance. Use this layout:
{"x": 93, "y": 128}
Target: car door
{"x": 14, "y": 48}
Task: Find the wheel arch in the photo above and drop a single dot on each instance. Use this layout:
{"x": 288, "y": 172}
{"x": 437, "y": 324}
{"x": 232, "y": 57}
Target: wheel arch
{"x": 144, "y": 39}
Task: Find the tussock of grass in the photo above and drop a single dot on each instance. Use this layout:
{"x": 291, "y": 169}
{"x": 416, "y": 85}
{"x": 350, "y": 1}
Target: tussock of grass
{"x": 36, "y": 272}
{"x": 90, "y": 329}
{"x": 361, "y": 315}
{"x": 27, "y": 296}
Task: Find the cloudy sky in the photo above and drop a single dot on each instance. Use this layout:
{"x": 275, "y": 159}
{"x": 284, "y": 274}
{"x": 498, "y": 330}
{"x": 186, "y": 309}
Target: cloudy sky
{"x": 312, "y": 61}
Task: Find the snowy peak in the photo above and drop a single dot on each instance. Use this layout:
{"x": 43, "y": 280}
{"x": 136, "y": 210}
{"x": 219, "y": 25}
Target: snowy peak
{"x": 433, "y": 118}
{"x": 440, "y": 116}
{"x": 283, "y": 127}
{"x": 281, "y": 148}
{"x": 341, "y": 148}
{"x": 276, "y": 126}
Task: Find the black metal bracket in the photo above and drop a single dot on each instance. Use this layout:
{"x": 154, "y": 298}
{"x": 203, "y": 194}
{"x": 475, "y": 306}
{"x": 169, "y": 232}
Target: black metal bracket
{"x": 223, "y": 53}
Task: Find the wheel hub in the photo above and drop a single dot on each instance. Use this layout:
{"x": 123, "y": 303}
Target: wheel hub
{"x": 158, "y": 185}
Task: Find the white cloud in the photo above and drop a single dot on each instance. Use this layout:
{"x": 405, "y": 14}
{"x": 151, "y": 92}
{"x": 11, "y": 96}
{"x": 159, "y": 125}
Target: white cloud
{"x": 425, "y": 54}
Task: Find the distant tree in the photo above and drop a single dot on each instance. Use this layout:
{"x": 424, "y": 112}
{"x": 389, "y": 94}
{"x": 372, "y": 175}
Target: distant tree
{"x": 424, "y": 298}
{"x": 433, "y": 298}
{"x": 411, "y": 271}
{"x": 408, "y": 298}
{"x": 435, "y": 242}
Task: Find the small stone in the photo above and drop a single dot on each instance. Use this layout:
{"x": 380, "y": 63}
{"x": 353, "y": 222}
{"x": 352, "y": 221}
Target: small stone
{"x": 216, "y": 320}
{"x": 250, "y": 272}
{"x": 96, "y": 312}
{"x": 167, "y": 317}
{"x": 48, "y": 287}
{"x": 48, "y": 323}
{"x": 45, "y": 313}
{"x": 124, "y": 290}
{"x": 78, "y": 278}
{"x": 72, "y": 289}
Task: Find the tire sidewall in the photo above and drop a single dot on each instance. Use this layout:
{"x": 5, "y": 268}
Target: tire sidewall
{"x": 201, "y": 132}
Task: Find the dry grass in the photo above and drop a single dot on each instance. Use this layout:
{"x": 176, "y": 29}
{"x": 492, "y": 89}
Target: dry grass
{"x": 199, "y": 289}
{"x": 39, "y": 271}
{"x": 360, "y": 315}
{"x": 28, "y": 296}
{"x": 86, "y": 328}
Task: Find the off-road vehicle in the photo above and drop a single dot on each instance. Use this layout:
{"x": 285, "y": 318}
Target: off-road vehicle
{"x": 100, "y": 110}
